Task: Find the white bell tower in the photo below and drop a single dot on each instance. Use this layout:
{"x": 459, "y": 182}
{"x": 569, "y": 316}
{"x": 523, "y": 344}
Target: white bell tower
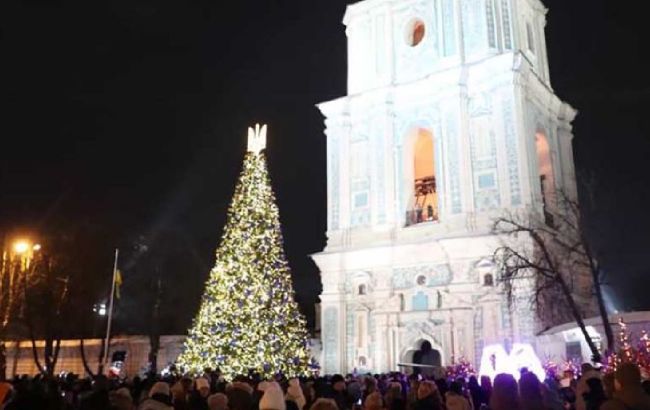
{"x": 450, "y": 121}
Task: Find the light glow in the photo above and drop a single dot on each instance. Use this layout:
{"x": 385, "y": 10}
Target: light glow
{"x": 21, "y": 247}
{"x": 256, "y": 138}
{"x": 496, "y": 360}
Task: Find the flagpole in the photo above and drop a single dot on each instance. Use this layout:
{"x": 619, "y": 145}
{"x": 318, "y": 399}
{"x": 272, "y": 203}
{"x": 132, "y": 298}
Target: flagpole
{"x": 110, "y": 310}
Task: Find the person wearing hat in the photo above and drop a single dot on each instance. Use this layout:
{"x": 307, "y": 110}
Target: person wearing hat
{"x": 159, "y": 398}
{"x": 273, "y": 399}
{"x": 629, "y": 394}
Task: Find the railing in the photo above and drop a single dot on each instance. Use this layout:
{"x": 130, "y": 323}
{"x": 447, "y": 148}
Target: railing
{"x": 418, "y": 216}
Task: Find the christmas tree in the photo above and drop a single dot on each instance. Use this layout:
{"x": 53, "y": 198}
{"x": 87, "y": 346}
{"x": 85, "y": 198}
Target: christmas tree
{"x": 248, "y": 319}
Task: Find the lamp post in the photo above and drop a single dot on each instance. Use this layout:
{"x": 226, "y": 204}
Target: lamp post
{"x": 15, "y": 261}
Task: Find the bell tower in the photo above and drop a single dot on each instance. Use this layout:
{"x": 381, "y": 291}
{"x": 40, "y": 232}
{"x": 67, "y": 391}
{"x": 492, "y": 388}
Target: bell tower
{"x": 450, "y": 121}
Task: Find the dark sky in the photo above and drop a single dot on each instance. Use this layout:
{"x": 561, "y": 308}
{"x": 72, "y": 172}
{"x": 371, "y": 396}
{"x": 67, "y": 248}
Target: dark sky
{"x": 130, "y": 116}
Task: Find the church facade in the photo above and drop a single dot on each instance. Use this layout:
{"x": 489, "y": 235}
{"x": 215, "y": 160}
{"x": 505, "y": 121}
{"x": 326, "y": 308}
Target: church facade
{"x": 450, "y": 121}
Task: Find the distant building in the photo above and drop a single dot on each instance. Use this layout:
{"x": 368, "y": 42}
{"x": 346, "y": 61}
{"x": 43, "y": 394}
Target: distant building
{"x": 20, "y": 358}
{"x": 565, "y": 342}
{"x": 450, "y": 120}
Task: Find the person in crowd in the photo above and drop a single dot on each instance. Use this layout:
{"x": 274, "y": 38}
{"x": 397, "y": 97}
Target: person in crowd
{"x": 324, "y": 404}
{"x": 530, "y": 392}
{"x": 595, "y": 395}
{"x": 486, "y": 389}
{"x": 505, "y": 393}
{"x": 121, "y": 399}
{"x": 551, "y": 394}
{"x": 340, "y": 393}
{"x": 428, "y": 397}
{"x": 394, "y": 397}
{"x": 98, "y": 399}
{"x": 240, "y": 396}
{"x": 475, "y": 393}
{"x": 218, "y": 401}
{"x": 273, "y": 399}
{"x": 412, "y": 395}
{"x": 295, "y": 394}
{"x": 199, "y": 396}
{"x": 454, "y": 399}
{"x": 159, "y": 398}
{"x": 629, "y": 394}
{"x": 373, "y": 401}
{"x": 588, "y": 372}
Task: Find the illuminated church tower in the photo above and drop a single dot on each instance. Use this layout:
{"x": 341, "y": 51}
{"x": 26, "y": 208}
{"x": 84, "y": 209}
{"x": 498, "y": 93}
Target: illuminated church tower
{"x": 450, "y": 121}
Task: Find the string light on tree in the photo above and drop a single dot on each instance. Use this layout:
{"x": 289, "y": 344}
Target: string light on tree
{"x": 248, "y": 319}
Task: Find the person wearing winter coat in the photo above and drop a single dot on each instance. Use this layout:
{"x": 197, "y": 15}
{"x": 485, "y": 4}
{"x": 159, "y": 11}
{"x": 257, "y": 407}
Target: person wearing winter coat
{"x": 455, "y": 399}
{"x": 159, "y": 398}
{"x": 428, "y": 397}
{"x": 505, "y": 393}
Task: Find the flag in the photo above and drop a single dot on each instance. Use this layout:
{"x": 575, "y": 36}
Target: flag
{"x": 118, "y": 283}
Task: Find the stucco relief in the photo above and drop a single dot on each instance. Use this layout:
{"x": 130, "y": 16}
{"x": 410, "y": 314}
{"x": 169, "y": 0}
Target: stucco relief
{"x": 435, "y": 275}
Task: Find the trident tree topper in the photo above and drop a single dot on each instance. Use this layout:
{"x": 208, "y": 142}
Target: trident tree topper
{"x": 256, "y": 138}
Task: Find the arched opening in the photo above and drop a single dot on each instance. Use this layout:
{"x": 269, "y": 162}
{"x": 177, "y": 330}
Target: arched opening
{"x": 362, "y": 290}
{"x": 415, "y": 31}
{"x": 424, "y": 202}
{"x": 423, "y": 358}
{"x": 546, "y": 175}
{"x": 488, "y": 280}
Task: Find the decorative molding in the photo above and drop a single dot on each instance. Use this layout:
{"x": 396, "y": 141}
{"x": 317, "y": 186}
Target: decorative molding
{"x": 437, "y": 275}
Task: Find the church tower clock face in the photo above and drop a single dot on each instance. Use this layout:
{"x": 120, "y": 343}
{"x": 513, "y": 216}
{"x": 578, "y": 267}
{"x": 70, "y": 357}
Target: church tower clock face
{"x": 449, "y": 121}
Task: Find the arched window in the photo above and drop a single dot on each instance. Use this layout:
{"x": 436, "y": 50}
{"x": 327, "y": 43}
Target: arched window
{"x": 415, "y": 32}
{"x": 402, "y": 304}
{"x": 488, "y": 280}
{"x": 424, "y": 203}
{"x": 546, "y": 175}
{"x": 361, "y": 290}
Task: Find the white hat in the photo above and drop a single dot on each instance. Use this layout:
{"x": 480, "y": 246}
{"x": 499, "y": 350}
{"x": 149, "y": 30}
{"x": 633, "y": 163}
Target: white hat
{"x": 273, "y": 399}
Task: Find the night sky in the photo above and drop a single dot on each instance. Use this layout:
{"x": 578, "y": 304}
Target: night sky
{"x": 129, "y": 118}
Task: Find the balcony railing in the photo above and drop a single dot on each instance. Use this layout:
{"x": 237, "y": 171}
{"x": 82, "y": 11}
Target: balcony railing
{"x": 418, "y": 216}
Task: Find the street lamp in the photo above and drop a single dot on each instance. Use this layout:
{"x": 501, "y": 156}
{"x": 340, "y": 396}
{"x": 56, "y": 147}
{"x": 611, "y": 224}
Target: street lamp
{"x": 21, "y": 246}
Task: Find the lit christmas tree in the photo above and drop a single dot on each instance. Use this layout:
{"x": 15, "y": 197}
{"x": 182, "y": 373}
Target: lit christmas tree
{"x": 248, "y": 319}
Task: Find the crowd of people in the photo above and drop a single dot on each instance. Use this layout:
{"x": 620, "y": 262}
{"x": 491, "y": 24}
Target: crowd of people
{"x": 622, "y": 390}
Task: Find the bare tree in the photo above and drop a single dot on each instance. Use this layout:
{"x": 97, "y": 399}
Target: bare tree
{"x": 550, "y": 252}
{"x": 46, "y": 302}
{"x": 15, "y": 268}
